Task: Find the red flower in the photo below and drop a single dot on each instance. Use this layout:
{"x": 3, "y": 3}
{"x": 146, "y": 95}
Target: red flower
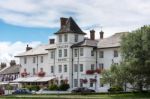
{"x": 90, "y": 72}
{"x": 98, "y": 71}
{"x": 83, "y": 80}
{"x": 41, "y": 74}
{"x": 93, "y": 80}
{"x": 24, "y": 74}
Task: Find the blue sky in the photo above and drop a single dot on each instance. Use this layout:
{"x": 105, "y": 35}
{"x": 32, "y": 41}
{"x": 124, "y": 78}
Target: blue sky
{"x": 14, "y": 33}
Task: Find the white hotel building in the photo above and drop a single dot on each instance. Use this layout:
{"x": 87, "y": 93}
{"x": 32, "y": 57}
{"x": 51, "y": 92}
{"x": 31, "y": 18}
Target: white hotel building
{"x": 71, "y": 58}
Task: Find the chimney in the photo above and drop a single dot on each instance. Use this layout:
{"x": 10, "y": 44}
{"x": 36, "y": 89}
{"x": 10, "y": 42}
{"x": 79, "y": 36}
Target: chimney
{"x": 51, "y": 41}
{"x": 92, "y": 34}
{"x": 28, "y": 48}
{"x": 3, "y": 65}
{"x": 101, "y": 34}
{"x": 63, "y": 21}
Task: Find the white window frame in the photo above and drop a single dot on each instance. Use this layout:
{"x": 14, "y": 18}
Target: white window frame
{"x": 65, "y": 52}
{"x": 81, "y": 51}
{"x": 76, "y": 37}
{"x": 65, "y": 68}
{"x": 60, "y": 52}
{"x": 59, "y": 68}
{"x": 75, "y": 52}
{"x": 92, "y": 66}
{"x": 42, "y": 59}
{"x": 81, "y": 67}
{"x": 52, "y": 54}
{"x": 25, "y": 60}
{"x": 60, "y": 38}
{"x": 65, "y": 37}
{"x": 101, "y": 54}
{"x": 34, "y": 60}
{"x": 115, "y": 53}
{"x": 52, "y": 69}
{"x": 75, "y": 67}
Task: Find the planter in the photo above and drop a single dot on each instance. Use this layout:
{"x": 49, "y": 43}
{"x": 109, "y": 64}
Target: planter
{"x": 84, "y": 81}
{"x": 90, "y": 72}
{"x": 41, "y": 74}
{"x": 24, "y": 74}
{"x": 93, "y": 80}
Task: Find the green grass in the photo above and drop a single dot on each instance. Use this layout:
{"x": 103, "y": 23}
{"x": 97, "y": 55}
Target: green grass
{"x": 69, "y": 96}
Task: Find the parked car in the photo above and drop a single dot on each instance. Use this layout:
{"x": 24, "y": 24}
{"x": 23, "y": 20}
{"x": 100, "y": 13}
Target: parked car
{"x": 21, "y": 91}
{"x": 2, "y": 92}
{"x": 82, "y": 90}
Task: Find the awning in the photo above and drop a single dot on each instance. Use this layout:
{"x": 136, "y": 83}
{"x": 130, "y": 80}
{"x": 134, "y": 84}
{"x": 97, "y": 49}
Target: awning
{"x": 3, "y": 83}
{"x": 31, "y": 79}
{"x": 34, "y": 79}
{"x": 19, "y": 80}
{"x": 45, "y": 79}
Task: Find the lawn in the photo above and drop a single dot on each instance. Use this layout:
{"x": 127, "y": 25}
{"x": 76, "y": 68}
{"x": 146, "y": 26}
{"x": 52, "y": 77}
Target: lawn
{"x": 69, "y": 96}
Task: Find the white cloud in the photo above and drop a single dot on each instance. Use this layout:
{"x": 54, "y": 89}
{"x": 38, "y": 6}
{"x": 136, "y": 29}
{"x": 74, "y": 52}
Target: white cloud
{"x": 45, "y": 13}
{"x": 8, "y": 50}
{"x": 112, "y": 15}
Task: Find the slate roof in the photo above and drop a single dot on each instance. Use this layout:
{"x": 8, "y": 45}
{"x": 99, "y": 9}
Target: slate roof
{"x": 86, "y": 42}
{"x": 112, "y": 41}
{"x": 10, "y": 70}
{"x": 40, "y": 50}
{"x": 70, "y": 27}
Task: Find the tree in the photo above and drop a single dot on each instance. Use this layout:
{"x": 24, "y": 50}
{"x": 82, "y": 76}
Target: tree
{"x": 135, "y": 50}
{"x": 116, "y": 75}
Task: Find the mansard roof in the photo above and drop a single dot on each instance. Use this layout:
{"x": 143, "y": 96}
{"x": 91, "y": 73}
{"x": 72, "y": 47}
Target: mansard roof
{"x": 86, "y": 42}
{"x": 69, "y": 26}
{"x": 10, "y": 70}
{"x": 111, "y": 42}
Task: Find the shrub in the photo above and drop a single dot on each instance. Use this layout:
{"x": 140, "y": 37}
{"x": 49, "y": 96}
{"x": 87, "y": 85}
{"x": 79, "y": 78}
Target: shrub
{"x": 64, "y": 87}
{"x": 115, "y": 89}
{"x": 53, "y": 87}
{"x": 9, "y": 87}
{"x": 32, "y": 87}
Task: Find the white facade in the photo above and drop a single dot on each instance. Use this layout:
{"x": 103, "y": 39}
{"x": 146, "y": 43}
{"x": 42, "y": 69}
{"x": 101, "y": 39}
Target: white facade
{"x": 64, "y": 61}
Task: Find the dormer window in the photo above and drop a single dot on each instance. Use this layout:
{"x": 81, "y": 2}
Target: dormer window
{"x": 60, "y": 38}
{"x": 76, "y": 38}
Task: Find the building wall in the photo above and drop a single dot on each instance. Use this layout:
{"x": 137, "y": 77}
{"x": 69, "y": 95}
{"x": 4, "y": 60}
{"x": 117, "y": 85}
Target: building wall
{"x": 86, "y": 60}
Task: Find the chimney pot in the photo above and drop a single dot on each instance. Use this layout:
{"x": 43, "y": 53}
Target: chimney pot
{"x": 92, "y": 34}
{"x": 28, "y": 48}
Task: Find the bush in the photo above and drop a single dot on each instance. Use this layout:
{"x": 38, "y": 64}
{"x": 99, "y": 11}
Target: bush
{"x": 53, "y": 87}
{"x": 64, "y": 87}
{"x": 32, "y": 87}
{"x": 9, "y": 87}
{"x": 115, "y": 89}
